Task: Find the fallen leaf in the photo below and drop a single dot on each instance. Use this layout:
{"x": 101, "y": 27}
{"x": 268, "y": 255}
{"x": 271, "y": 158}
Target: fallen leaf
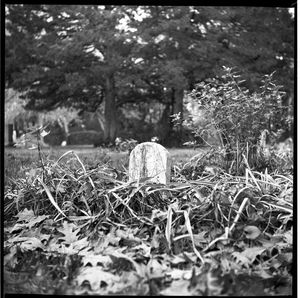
{"x": 36, "y": 220}
{"x": 156, "y": 269}
{"x": 128, "y": 284}
{"x": 25, "y": 215}
{"x": 70, "y": 232}
{"x": 248, "y": 256}
{"x": 52, "y": 244}
{"x": 240, "y": 258}
{"x": 18, "y": 227}
{"x": 128, "y": 234}
{"x": 178, "y": 259}
{"x": 144, "y": 249}
{"x": 199, "y": 238}
{"x": 180, "y": 274}
{"x": 95, "y": 276}
{"x": 85, "y": 251}
{"x": 95, "y": 259}
{"x": 177, "y": 288}
{"x": 32, "y": 244}
{"x": 252, "y": 232}
{"x": 190, "y": 257}
{"x": 80, "y": 244}
{"x": 287, "y": 257}
{"x": 264, "y": 274}
{"x": 121, "y": 255}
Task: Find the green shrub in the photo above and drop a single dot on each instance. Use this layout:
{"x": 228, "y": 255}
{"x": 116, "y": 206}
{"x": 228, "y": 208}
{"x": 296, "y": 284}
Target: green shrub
{"x": 238, "y": 114}
{"x": 246, "y": 121}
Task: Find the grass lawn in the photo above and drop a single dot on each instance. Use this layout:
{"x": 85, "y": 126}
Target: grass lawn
{"x": 18, "y": 160}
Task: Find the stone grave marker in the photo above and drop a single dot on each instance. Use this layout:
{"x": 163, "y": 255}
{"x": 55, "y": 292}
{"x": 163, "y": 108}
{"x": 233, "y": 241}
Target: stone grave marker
{"x": 149, "y": 160}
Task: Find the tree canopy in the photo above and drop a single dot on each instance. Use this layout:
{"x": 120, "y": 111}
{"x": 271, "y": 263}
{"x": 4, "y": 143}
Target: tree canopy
{"x": 84, "y": 56}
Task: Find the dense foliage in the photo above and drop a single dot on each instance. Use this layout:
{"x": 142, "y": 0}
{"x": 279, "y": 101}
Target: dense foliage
{"x": 239, "y": 115}
{"x": 84, "y": 55}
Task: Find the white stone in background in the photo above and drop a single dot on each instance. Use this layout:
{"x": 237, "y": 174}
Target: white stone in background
{"x": 154, "y": 139}
{"x": 147, "y": 160}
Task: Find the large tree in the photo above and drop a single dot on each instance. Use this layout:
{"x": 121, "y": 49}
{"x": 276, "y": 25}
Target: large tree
{"x": 74, "y": 55}
{"x": 188, "y": 44}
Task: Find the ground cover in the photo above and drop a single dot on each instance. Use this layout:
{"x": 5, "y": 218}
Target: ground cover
{"x": 74, "y": 225}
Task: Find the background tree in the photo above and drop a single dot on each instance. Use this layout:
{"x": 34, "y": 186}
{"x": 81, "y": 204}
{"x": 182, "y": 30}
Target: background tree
{"x": 106, "y": 58}
{"x": 75, "y": 63}
{"x": 186, "y": 45}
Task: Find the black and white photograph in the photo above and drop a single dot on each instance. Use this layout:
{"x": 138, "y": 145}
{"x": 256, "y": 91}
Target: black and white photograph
{"x": 148, "y": 150}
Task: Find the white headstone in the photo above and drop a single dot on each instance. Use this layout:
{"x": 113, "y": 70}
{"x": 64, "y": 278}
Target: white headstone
{"x": 149, "y": 160}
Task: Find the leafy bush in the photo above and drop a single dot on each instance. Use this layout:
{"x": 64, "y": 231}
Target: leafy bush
{"x": 238, "y": 114}
{"x": 245, "y": 121}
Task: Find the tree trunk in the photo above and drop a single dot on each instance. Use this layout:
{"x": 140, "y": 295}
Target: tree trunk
{"x": 110, "y": 115}
{"x": 177, "y": 107}
{"x": 178, "y": 101}
{"x": 164, "y": 125}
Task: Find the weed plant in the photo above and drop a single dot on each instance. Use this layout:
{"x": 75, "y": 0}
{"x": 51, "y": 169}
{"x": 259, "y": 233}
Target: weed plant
{"x": 249, "y": 124}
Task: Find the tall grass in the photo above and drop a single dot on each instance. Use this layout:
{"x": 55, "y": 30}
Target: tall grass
{"x": 205, "y": 193}
{"x": 199, "y": 196}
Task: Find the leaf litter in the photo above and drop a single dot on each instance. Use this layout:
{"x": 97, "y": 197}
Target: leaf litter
{"x": 93, "y": 234}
